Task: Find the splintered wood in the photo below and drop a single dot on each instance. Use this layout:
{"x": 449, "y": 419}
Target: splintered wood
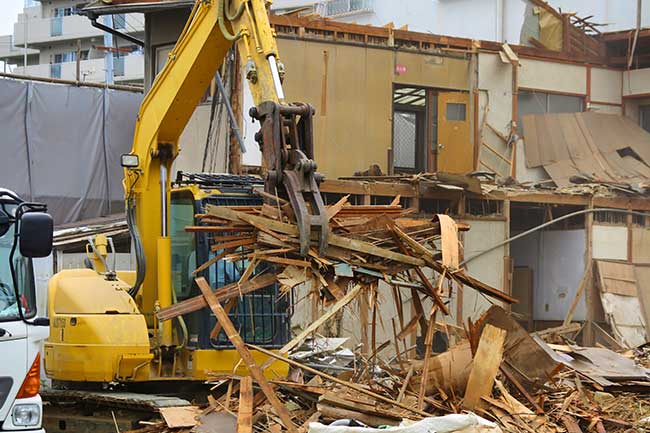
{"x": 493, "y": 368}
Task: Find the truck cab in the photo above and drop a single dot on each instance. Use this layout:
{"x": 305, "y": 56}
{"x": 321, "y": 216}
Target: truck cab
{"x": 25, "y": 233}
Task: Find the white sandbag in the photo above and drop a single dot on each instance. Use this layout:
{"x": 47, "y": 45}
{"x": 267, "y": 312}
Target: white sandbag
{"x": 456, "y": 423}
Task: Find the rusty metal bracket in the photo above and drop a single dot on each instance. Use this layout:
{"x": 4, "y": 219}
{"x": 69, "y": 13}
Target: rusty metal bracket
{"x": 286, "y": 141}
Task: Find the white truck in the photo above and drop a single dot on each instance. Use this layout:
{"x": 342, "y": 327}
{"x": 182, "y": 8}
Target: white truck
{"x": 25, "y": 233}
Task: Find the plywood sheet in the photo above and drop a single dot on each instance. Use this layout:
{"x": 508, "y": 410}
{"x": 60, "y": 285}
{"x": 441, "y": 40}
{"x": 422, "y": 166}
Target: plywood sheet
{"x": 616, "y": 278}
{"x": 605, "y": 147}
{"x": 180, "y": 416}
{"x": 431, "y": 71}
{"x": 355, "y": 84}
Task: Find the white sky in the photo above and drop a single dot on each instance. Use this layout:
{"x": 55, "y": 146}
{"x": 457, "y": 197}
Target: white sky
{"x": 10, "y": 10}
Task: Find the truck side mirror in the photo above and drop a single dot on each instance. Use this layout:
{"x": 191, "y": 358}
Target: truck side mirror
{"x": 36, "y": 231}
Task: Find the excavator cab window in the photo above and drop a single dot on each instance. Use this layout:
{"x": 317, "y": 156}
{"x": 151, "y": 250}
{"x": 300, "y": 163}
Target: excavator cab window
{"x": 183, "y": 243}
{"x": 262, "y": 317}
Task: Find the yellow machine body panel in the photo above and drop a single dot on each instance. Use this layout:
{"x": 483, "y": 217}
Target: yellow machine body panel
{"x": 204, "y": 362}
{"x": 97, "y": 333}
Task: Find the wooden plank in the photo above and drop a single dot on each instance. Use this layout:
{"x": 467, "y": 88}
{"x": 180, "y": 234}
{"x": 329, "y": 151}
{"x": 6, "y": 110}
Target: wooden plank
{"x": 336, "y": 208}
{"x": 322, "y": 319}
{"x": 223, "y": 293}
{"x": 255, "y": 370}
{"x": 334, "y": 240}
{"x": 358, "y": 388}
{"x": 428, "y": 341}
{"x": 179, "y": 416}
{"x": 232, "y": 244}
{"x": 245, "y": 412}
{"x": 284, "y": 261}
{"x": 581, "y": 288}
{"x": 485, "y": 366}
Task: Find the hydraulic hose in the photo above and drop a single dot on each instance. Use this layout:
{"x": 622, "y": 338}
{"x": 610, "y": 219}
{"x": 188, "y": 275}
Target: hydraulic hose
{"x": 140, "y": 259}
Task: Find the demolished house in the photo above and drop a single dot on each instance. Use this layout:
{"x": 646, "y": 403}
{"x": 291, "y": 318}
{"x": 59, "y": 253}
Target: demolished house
{"x": 489, "y": 215}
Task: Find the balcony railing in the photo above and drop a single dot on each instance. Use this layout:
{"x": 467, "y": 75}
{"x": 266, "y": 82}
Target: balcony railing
{"x": 44, "y": 30}
{"x": 340, "y": 8}
{"x": 127, "y": 68}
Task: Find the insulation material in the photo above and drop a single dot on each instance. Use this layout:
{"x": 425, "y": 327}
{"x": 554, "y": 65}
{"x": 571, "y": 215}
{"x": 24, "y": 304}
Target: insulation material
{"x": 541, "y": 75}
{"x": 640, "y": 245}
{"x": 69, "y": 157}
{"x": 606, "y": 85}
{"x": 550, "y": 29}
{"x": 609, "y": 242}
{"x": 618, "y": 287}
{"x": 600, "y": 146}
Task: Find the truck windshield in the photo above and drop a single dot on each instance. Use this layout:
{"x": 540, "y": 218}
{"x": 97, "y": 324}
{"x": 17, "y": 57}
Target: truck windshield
{"x": 24, "y": 275}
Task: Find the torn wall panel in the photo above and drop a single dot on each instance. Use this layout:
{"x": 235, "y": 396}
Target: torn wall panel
{"x": 618, "y": 294}
{"x": 494, "y": 113}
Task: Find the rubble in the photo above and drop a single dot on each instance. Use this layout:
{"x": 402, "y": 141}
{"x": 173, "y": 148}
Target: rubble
{"x": 496, "y": 377}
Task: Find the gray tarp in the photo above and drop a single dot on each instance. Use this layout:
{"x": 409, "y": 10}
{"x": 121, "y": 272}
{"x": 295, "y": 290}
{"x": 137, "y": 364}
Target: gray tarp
{"x": 69, "y": 157}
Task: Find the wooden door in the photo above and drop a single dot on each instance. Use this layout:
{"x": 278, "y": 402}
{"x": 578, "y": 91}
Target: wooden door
{"x": 455, "y": 150}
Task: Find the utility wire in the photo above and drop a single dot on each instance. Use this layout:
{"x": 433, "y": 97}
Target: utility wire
{"x": 548, "y": 223}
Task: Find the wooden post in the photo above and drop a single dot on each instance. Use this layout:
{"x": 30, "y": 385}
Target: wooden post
{"x": 590, "y": 294}
{"x": 246, "y": 355}
{"x": 245, "y": 412}
{"x": 629, "y": 220}
{"x": 508, "y": 263}
{"x": 363, "y": 319}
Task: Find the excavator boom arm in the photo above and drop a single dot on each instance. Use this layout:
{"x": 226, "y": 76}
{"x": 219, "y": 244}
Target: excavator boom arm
{"x": 212, "y": 28}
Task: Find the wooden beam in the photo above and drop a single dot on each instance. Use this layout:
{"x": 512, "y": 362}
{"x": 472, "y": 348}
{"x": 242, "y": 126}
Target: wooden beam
{"x": 255, "y": 370}
{"x": 223, "y": 293}
{"x": 581, "y": 288}
{"x": 358, "y": 388}
{"x": 485, "y": 366}
{"x": 245, "y": 412}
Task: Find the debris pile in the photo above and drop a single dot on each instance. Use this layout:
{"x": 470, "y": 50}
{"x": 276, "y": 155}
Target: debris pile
{"x": 496, "y": 377}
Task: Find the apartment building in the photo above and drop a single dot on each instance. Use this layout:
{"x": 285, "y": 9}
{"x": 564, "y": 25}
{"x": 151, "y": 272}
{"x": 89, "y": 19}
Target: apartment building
{"x": 51, "y": 40}
{"x": 512, "y": 21}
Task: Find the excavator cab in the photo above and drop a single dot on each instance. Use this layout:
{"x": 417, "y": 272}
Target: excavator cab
{"x": 262, "y": 317}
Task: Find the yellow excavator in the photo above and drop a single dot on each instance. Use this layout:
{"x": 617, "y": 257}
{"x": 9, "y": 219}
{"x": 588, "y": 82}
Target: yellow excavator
{"x": 103, "y": 322}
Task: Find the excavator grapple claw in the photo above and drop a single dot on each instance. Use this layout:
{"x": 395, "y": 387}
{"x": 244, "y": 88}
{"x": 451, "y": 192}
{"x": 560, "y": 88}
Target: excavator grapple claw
{"x": 286, "y": 140}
